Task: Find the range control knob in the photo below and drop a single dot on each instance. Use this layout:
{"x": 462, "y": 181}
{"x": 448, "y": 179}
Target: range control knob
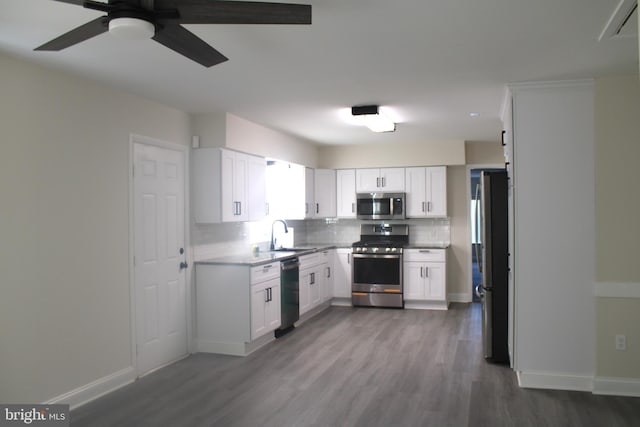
{"x": 388, "y": 250}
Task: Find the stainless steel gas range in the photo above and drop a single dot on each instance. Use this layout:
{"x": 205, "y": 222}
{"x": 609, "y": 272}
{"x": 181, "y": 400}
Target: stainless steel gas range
{"x": 377, "y": 265}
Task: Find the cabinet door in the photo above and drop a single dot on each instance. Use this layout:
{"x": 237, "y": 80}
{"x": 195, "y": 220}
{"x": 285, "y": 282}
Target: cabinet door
{"x": 367, "y": 180}
{"x": 315, "y": 286}
{"x": 309, "y": 195}
{"x": 414, "y": 281}
{"x": 259, "y": 297}
{"x": 272, "y": 312}
{"x": 325, "y": 193}
{"x": 346, "y": 193}
{"x": 392, "y": 179}
{"x": 342, "y": 274}
{"x": 240, "y": 172}
{"x": 305, "y": 290}
{"x": 228, "y": 203}
{"x": 435, "y": 276}
{"x": 436, "y": 191}
{"x": 256, "y": 188}
{"x": 416, "y": 203}
{"x": 265, "y": 307}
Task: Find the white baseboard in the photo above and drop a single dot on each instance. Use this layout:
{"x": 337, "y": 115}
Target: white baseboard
{"x": 460, "y": 297}
{"x": 617, "y": 386}
{"x": 95, "y": 389}
{"x": 555, "y": 381}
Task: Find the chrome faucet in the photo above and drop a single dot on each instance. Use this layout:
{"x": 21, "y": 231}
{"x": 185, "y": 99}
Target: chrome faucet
{"x": 286, "y": 230}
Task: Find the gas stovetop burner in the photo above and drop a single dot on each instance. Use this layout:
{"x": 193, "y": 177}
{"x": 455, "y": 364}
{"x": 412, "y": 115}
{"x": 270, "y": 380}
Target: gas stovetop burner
{"x": 382, "y": 238}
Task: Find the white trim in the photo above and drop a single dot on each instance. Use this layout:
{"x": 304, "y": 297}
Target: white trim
{"x": 555, "y": 381}
{"x": 616, "y": 386}
{"x": 550, "y": 84}
{"x": 140, "y": 139}
{"x": 95, "y": 389}
{"x": 426, "y": 305}
{"x": 464, "y": 297}
{"x": 617, "y": 18}
{"x": 617, "y": 290}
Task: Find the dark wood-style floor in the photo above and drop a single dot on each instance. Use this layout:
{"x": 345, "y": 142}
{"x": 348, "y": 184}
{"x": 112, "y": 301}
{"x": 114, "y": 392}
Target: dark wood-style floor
{"x": 355, "y": 367}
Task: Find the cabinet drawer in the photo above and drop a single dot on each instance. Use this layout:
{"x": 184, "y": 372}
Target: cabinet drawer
{"x": 265, "y": 272}
{"x": 311, "y": 260}
{"x": 425, "y": 255}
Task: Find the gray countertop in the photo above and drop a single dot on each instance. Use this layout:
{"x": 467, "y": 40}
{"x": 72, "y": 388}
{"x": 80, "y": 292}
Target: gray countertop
{"x": 261, "y": 258}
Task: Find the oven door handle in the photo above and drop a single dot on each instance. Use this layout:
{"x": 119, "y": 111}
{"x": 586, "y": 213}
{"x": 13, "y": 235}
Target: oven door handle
{"x": 387, "y": 256}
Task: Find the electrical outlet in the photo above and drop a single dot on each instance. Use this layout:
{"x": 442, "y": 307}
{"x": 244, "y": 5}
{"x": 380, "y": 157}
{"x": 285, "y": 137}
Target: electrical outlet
{"x": 621, "y": 342}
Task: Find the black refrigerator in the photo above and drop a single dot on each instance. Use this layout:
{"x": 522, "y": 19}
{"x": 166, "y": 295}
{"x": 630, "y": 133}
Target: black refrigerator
{"x": 494, "y": 289}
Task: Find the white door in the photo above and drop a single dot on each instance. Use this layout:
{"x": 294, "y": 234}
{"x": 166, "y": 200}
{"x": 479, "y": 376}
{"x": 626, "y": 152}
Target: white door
{"x": 346, "y": 193}
{"x": 160, "y": 294}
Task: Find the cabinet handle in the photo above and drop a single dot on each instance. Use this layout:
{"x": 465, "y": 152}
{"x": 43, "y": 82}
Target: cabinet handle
{"x": 384, "y": 183}
{"x": 267, "y": 267}
{"x": 424, "y": 206}
{"x": 266, "y": 295}
{"x": 239, "y": 208}
{"x": 428, "y": 206}
{"x": 328, "y": 272}
{"x": 306, "y": 208}
{"x": 313, "y": 278}
{"x": 421, "y": 271}
{"x": 378, "y": 182}
{"x": 348, "y": 258}
{"x": 317, "y": 207}
{"x": 426, "y": 272}
{"x": 353, "y": 207}
{"x": 424, "y": 251}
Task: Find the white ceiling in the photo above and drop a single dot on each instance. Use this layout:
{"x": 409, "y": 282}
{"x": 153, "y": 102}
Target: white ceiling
{"x": 431, "y": 62}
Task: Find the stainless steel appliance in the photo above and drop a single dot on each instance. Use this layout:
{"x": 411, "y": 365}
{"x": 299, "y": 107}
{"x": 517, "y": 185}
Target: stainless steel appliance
{"x": 494, "y": 289}
{"x": 377, "y": 265}
{"x": 380, "y": 206}
{"x": 289, "y": 295}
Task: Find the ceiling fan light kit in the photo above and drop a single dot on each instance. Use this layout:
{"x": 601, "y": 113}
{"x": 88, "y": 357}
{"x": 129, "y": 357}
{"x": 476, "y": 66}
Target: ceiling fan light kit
{"x": 371, "y": 117}
{"x": 132, "y": 28}
{"x": 162, "y": 21}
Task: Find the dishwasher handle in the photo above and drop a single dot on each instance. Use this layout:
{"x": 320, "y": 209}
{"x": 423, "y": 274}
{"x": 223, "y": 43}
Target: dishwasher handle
{"x": 290, "y": 264}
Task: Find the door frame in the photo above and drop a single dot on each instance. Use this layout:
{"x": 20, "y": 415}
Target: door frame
{"x": 140, "y": 139}
{"x": 468, "y": 293}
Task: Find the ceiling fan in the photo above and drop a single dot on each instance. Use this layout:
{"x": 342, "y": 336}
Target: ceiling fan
{"x": 161, "y": 20}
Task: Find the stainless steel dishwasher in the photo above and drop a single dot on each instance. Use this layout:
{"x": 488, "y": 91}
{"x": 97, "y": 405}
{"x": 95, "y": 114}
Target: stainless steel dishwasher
{"x": 289, "y": 295}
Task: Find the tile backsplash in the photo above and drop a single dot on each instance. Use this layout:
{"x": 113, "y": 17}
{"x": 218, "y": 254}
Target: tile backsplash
{"x": 215, "y": 240}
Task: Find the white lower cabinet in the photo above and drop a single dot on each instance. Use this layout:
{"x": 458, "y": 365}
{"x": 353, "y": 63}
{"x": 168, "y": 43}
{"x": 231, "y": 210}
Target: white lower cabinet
{"x": 265, "y": 307}
{"x": 425, "y": 278}
{"x": 316, "y": 280}
{"x": 237, "y": 307}
{"x": 342, "y": 277}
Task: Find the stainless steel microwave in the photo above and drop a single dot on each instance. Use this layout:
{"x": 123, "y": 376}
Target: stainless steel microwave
{"x": 380, "y": 205}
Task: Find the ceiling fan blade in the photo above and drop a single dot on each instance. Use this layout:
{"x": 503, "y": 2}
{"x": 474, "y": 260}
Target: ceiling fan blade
{"x": 76, "y": 2}
{"x": 237, "y": 12}
{"x": 77, "y": 35}
{"x": 186, "y": 43}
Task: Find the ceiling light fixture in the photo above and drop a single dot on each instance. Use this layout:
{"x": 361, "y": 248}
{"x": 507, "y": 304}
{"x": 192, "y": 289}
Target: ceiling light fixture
{"x": 371, "y": 117}
{"x": 132, "y": 28}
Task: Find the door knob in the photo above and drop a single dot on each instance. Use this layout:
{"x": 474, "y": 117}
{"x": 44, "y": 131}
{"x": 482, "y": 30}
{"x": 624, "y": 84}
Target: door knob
{"x": 183, "y": 265}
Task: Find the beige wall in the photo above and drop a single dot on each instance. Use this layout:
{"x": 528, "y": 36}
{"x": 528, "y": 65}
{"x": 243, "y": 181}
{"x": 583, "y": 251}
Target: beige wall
{"x": 458, "y": 270}
{"x": 236, "y": 133}
{"x": 483, "y": 153}
{"x": 617, "y": 192}
{"x": 390, "y": 155}
{"x": 64, "y": 222}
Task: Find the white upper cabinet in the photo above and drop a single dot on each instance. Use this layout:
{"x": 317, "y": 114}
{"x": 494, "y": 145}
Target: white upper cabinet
{"x": 256, "y": 188}
{"x": 325, "y": 193}
{"x": 346, "y": 193}
{"x": 426, "y": 189}
{"x": 227, "y": 186}
{"x": 309, "y": 194}
{"x": 375, "y": 180}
